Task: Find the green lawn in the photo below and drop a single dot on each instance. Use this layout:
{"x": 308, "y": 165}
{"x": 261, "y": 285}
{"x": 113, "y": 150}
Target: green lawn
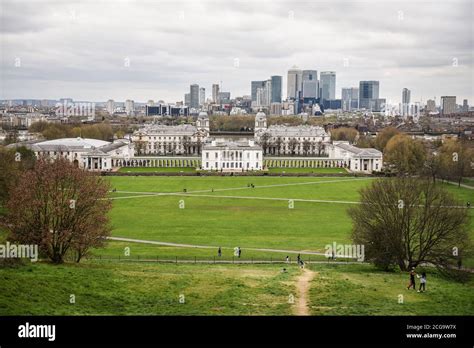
{"x": 112, "y": 288}
{"x": 364, "y": 290}
{"x": 226, "y": 212}
{"x": 157, "y": 169}
{"x": 140, "y": 288}
{"x": 230, "y": 222}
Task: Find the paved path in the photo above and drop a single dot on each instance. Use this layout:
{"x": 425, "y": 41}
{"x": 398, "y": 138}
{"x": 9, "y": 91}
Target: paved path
{"x": 138, "y": 194}
{"x": 121, "y": 239}
{"x": 462, "y": 185}
{"x": 303, "y": 284}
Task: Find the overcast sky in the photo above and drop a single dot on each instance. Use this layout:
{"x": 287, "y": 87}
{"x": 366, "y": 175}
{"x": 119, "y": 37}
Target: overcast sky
{"x": 137, "y": 49}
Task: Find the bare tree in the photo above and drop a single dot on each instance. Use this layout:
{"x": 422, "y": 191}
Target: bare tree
{"x": 407, "y": 221}
{"x": 306, "y": 147}
{"x": 59, "y": 207}
{"x": 292, "y": 145}
{"x": 278, "y": 143}
{"x": 320, "y": 148}
{"x": 264, "y": 142}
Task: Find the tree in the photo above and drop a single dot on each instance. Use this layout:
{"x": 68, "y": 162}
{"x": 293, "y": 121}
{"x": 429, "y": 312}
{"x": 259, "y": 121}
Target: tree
{"x": 408, "y": 221}
{"x": 407, "y": 156}
{"x": 384, "y": 136}
{"x": 456, "y": 160}
{"x": 292, "y": 145}
{"x": 140, "y": 147}
{"x": 321, "y": 148}
{"x": 278, "y": 144}
{"x": 365, "y": 141}
{"x": 306, "y": 147}
{"x": 344, "y": 134}
{"x": 12, "y": 163}
{"x": 59, "y": 207}
{"x": 264, "y": 141}
{"x": 186, "y": 144}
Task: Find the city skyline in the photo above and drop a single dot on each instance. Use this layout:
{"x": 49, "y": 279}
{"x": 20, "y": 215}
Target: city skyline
{"x": 54, "y": 50}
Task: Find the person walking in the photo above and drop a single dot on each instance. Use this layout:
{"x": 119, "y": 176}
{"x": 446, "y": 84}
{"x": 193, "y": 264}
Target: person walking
{"x": 422, "y": 282}
{"x": 287, "y": 259}
{"x": 240, "y": 252}
{"x": 412, "y": 279}
{"x": 298, "y": 259}
{"x": 219, "y": 252}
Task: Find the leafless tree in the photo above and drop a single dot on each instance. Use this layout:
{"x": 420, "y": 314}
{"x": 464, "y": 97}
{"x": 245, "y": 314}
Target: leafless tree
{"x": 407, "y": 221}
{"x": 59, "y": 207}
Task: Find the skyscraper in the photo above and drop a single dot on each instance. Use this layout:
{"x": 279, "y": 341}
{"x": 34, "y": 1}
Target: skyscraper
{"x": 431, "y": 105}
{"x": 276, "y": 89}
{"x": 448, "y": 105}
{"x": 350, "y": 98}
{"x": 310, "y": 84}
{"x": 406, "y": 96}
{"x": 110, "y": 106}
{"x": 294, "y": 83}
{"x": 254, "y": 86}
{"x": 368, "y": 92}
{"x": 328, "y": 85}
{"x": 405, "y": 109}
{"x": 194, "y": 96}
{"x": 130, "y": 107}
{"x": 465, "y": 106}
{"x": 202, "y": 96}
{"x": 215, "y": 93}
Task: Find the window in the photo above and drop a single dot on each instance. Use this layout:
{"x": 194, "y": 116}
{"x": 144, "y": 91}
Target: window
{"x": 207, "y": 155}
{"x": 207, "y": 164}
{"x": 215, "y": 155}
{"x": 257, "y": 155}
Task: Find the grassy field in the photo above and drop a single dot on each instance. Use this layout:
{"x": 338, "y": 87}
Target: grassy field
{"x": 364, "y": 290}
{"x": 250, "y": 212}
{"x": 226, "y": 212}
{"x": 132, "y": 288}
{"x": 109, "y": 288}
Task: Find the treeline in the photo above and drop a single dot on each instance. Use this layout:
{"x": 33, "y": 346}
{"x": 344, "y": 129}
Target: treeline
{"x": 232, "y": 123}
{"x": 101, "y": 131}
{"x": 404, "y": 155}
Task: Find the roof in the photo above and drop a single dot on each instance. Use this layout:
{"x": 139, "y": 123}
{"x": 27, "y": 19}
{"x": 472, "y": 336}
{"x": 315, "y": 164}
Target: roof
{"x": 84, "y": 142}
{"x": 231, "y": 145}
{"x": 182, "y": 129}
{"x": 68, "y": 144}
{"x": 359, "y": 152}
{"x": 113, "y": 146}
{"x": 296, "y": 131}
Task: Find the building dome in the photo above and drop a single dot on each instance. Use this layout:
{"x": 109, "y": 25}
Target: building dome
{"x": 203, "y": 114}
{"x": 260, "y": 114}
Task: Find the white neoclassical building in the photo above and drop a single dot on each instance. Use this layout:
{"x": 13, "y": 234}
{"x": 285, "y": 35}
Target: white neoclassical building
{"x": 90, "y": 154}
{"x": 184, "y": 139}
{"x": 365, "y": 160}
{"x": 290, "y": 140}
{"x": 232, "y": 156}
